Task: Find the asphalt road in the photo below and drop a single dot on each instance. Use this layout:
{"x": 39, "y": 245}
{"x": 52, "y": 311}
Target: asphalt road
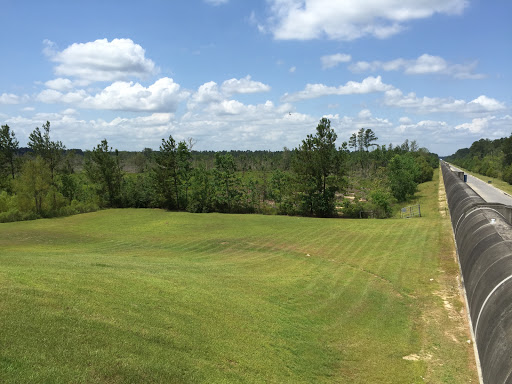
{"x": 488, "y": 192}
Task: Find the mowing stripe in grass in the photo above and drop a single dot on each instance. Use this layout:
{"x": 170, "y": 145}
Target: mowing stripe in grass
{"x": 154, "y": 296}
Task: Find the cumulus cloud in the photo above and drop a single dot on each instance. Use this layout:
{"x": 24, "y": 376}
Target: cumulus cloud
{"x": 132, "y": 133}
{"x": 492, "y": 126}
{"x": 477, "y": 125}
{"x": 244, "y": 85}
{"x": 101, "y": 60}
{"x": 347, "y": 125}
{"x": 52, "y": 96}
{"x": 350, "y": 19}
{"x": 230, "y": 124}
{"x": 60, "y": 84}
{"x": 486, "y": 104}
{"x": 206, "y": 94}
{"x": 211, "y": 93}
{"x": 331, "y": 61}
{"x": 482, "y": 104}
{"x": 429, "y": 127}
{"x": 10, "y": 98}
{"x": 425, "y": 64}
{"x": 162, "y": 96}
{"x": 368, "y": 85}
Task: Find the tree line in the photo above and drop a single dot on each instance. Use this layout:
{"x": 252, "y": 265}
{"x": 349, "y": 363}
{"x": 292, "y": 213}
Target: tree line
{"x": 491, "y": 158}
{"x": 314, "y": 179}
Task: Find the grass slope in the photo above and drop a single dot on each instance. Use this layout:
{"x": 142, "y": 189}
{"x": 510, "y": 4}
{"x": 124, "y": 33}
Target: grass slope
{"x": 152, "y": 296}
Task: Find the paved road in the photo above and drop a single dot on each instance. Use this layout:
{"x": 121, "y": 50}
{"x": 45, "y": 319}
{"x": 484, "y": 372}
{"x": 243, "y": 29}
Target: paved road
{"x": 487, "y": 191}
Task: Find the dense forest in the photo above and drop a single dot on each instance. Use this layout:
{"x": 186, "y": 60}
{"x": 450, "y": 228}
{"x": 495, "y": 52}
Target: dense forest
{"x": 315, "y": 179}
{"x": 491, "y": 158}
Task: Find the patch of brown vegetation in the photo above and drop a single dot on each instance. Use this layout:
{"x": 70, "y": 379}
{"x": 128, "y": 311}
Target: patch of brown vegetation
{"x": 443, "y": 204}
{"x": 415, "y": 357}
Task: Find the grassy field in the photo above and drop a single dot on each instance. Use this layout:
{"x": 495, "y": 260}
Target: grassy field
{"x": 141, "y": 296}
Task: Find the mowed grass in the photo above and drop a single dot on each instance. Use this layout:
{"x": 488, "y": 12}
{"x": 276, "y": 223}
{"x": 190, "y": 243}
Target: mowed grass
{"x": 143, "y": 296}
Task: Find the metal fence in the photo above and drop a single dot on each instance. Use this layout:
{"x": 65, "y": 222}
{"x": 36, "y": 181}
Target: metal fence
{"x": 411, "y": 211}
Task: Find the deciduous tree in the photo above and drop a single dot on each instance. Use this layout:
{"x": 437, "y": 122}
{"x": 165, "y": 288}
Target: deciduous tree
{"x": 33, "y": 185}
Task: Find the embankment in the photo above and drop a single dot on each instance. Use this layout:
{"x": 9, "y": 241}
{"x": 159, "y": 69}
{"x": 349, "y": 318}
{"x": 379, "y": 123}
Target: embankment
{"x": 484, "y": 242}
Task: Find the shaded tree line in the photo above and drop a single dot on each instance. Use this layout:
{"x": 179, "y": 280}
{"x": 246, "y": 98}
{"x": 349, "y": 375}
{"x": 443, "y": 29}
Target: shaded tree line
{"x": 310, "y": 180}
{"x": 491, "y": 158}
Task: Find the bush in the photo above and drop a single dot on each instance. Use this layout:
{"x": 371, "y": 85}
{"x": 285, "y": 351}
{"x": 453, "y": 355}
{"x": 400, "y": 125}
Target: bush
{"x": 426, "y": 172}
{"x": 16, "y": 215}
{"x": 402, "y": 173}
{"x": 381, "y": 204}
{"x": 507, "y": 174}
{"x": 353, "y": 209}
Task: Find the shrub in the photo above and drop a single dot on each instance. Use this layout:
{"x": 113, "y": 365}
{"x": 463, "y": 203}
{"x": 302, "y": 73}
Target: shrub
{"x": 381, "y": 204}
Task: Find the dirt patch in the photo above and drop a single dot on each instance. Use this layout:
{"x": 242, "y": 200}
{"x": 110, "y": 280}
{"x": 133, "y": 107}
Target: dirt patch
{"x": 415, "y": 357}
{"x": 443, "y": 204}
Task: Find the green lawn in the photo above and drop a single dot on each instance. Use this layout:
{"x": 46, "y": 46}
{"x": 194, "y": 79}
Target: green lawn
{"x": 139, "y": 296}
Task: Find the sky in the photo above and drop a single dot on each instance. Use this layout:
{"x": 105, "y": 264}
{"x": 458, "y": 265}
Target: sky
{"x": 256, "y": 74}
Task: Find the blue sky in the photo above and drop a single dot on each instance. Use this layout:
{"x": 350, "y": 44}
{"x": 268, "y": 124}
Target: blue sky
{"x": 238, "y": 74}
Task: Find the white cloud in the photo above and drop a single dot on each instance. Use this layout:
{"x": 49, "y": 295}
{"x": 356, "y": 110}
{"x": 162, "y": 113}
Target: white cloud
{"x": 60, "y": 84}
{"x": 240, "y": 111}
{"x": 207, "y": 93}
{"x": 123, "y": 133}
{"x": 231, "y": 124}
{"x": 292, "y": 69}
{"x": 52, "y": 96}
{"x": 216, "y": 2}
{"x": 70, "y": 111}
{"x": 101, "y": 60}
{"x": 162, "y": 96}
{"x": 482, "y": 104}
{"x": 476, "y": 126}
{"x": 486, "y": 104}
{"x": 364, "y": 119}
{"x": 49, "y": 48}
{"x": 425, "y": 64}
{"x": 244, "y": 85}
{"x": 228, "y": 107}
{"x": 429, "y": 127}
{"x": 368, "y": 85}
{"x": 492, "y": 126}
{"x": 351, "y": 19}
{"x": 331, "y": 61}
{"x": 10, "y": 98}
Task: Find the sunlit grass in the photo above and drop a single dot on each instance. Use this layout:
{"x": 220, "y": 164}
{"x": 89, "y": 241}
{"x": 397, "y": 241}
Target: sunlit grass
{"x": 154, "y": 296}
